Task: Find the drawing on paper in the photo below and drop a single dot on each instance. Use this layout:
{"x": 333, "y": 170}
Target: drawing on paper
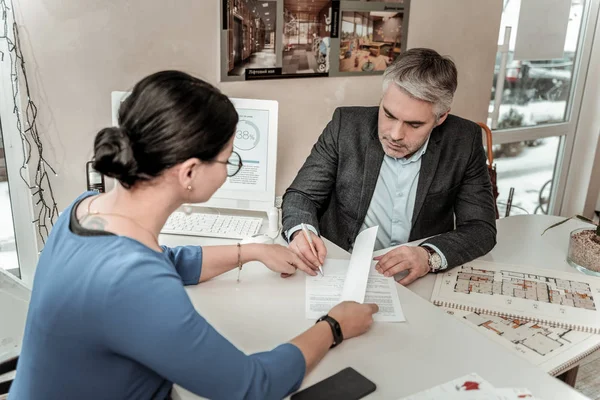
{"x": 541, "y": 339}
{"x": 525, "y": 286}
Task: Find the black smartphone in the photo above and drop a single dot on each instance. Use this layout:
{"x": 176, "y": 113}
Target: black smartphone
{"x": 347, "y": 384}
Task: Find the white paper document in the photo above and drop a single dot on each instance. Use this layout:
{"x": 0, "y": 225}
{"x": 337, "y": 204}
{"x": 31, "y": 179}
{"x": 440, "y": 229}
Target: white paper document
{"x": 355, "y": 280}
{"x": 470, "y": 387}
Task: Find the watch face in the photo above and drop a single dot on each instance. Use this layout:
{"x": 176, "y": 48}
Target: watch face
{"x": 435, "y": 260}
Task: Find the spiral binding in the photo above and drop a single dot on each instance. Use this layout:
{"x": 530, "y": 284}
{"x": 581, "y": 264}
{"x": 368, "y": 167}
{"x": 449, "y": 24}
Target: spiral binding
{"x": 568, "y": 364}
{"x": 479, "y": 310}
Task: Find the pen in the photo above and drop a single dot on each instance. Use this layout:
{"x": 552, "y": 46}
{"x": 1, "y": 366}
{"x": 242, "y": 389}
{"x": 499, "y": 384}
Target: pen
{"x": 312, "y": 247}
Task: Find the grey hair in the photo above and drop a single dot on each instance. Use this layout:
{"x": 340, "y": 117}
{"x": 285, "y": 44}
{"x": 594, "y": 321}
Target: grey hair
{"x": 424, "y": 75}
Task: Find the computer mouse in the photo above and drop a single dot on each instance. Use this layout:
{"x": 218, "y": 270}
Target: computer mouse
{"x": 264, "y": 239}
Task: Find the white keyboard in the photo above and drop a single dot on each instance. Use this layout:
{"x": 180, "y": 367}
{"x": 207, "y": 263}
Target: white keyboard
{"x": 212, "y": 225}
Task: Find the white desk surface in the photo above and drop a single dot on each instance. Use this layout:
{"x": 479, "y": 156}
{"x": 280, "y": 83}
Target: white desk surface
{"x": 430, "y": 348}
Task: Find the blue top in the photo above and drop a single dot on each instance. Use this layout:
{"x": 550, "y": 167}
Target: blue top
{"x": 109, "y": 318}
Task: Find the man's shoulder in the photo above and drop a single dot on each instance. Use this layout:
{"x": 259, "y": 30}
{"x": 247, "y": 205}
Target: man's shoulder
{"x": 357, "y": 111}
{"x": 454, "y": 123}
{"x": 354, "y": 119}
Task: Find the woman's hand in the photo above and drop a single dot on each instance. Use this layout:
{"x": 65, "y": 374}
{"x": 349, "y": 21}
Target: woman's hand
{"x": 280, "y": 259}
{"x": 354, "y": 318}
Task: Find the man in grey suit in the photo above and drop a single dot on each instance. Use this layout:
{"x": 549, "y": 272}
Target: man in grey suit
{"x": 407, "y": 166}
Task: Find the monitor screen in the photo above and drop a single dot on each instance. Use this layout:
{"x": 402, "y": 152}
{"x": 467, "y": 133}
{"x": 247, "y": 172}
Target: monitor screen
{"x": 252, "y": 143}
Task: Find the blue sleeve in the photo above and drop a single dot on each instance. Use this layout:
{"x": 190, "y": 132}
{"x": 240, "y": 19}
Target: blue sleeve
{"x": 187, "y": 261}
{"x": 149, "y": 318}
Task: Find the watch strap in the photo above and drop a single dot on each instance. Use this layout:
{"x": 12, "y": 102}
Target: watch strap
{"x": 433, "y": 265}
{"x": 336, "y": 329}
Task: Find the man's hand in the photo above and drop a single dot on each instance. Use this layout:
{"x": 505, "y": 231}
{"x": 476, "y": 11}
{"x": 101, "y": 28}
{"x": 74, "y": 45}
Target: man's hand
{"x": 413, "y": 259}
{"x": 300, "y": 246}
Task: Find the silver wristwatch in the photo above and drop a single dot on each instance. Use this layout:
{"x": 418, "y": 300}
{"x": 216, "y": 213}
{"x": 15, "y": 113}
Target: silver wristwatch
{"x": 435, "y": 261}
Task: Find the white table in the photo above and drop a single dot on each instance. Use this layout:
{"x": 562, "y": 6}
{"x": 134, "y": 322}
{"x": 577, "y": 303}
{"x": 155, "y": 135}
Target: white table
{"x": 430, "y": 348}
{"x": 520, "y": 242}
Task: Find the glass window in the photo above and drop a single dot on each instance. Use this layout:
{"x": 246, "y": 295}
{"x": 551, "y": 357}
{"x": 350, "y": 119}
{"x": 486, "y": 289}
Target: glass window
{"x": 8, "y": 248}
{"x": 347, "y": 27}
{"x": 528, "y": 167}
{"x": 534, "y": 92}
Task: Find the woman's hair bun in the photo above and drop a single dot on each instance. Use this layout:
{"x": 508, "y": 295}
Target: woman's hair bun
{"x": 113, "y": 156}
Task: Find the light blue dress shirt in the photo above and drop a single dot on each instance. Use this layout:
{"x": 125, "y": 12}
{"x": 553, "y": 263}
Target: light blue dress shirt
{"x": 393, "y": 202}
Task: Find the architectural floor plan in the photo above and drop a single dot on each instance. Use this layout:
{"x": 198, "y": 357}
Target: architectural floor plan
{"x": 551, "y": 348}
{"x": 525, "y": 286}
{"x": 541, "y": 339}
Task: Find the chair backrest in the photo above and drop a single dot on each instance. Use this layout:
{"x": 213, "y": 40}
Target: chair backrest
{"x": 7, "y": 367}
{"x": 489, "y": 143}
{"x": 491, "y": 166}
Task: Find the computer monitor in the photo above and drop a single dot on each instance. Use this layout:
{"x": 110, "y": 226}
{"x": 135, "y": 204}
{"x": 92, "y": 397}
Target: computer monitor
{"x": 253, "y": 187}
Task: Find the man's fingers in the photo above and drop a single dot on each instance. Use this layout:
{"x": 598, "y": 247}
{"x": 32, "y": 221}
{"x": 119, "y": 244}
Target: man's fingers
{"x": 392, "y": 258}
{"x": 296, "y": 248}
{"x": 321, "y": 249}
{"x": 410, "y": 278}
{"x": 284, "y": 275}
{"x": 384, "y": 266}
{"x": 298, "y": 263}
{"x": 389, "y": 257}
{"x": 401, "y": 266}
{"x": 308, "y": 254}
{"x": 305, "y": 261}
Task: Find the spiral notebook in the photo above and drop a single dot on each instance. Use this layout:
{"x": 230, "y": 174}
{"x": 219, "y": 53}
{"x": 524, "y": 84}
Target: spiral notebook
{"x": 553, "y": 349}
{"x": 563, "y": 299}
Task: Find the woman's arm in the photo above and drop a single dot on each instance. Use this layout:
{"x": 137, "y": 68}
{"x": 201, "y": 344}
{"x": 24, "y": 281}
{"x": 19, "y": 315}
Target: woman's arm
{"x": 148, "y": 317}
{"x": 219, "y": 259}
{"x": 314, "y": 344}
{"x": 198, "y": 264}
{"x": 354, "y": 320}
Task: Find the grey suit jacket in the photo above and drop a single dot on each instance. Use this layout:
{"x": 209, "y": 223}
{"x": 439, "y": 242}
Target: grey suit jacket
{"x": 454, "y": 199}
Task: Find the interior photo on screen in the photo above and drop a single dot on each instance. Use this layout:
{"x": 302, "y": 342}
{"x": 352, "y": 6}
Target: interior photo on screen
{"x": 306, "y": 35}
{"x": 369, "y": 41}
{"x": 251, "y": 27}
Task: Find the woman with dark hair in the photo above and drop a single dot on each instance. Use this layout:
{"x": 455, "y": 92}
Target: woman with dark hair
{"x": 109, "y": 317}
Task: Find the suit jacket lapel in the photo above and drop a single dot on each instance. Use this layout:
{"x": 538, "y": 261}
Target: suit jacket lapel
{"x": 373, "y": 160}
{"x": 429, "y": 164}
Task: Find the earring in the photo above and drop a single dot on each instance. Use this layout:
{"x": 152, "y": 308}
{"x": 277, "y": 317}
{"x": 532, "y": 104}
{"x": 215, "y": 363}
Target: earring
{"x": 189, "y": 188}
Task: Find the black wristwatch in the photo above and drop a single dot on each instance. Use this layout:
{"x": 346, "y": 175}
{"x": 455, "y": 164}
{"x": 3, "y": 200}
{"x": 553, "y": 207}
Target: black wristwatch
{"x": 336, "y": 329}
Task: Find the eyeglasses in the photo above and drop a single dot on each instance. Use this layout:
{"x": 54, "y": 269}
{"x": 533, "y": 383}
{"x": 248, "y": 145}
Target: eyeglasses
{"x": 234, "y": 164}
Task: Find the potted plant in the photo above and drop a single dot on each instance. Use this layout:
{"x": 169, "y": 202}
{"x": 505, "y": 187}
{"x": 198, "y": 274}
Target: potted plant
{"x": 584, "y": 247}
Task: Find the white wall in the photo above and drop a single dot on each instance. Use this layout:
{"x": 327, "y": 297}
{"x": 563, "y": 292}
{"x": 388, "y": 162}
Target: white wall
{"x": 77, "y": 52}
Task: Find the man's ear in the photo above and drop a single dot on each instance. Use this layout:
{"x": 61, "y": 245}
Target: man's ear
{"x": 442, "y": 118}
